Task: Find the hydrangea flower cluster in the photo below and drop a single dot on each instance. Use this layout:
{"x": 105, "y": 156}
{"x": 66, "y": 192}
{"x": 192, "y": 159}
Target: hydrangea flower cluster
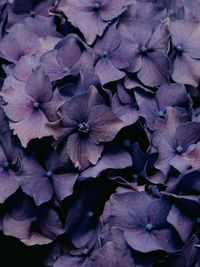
{"x": 100, "y": 132}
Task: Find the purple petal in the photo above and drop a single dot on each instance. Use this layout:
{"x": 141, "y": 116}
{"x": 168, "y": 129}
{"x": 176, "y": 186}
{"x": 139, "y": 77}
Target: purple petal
{"x": 83, "y": 151}
{"x": 19, "y": 42}
{"x": 33, "y": 126}
{"x": 79, "y": 107}
{"x": 33, "y": 181}
{"x": 116, "y": 158}
{"x": 104, "y": 124}
{"x": 154, "y": 69}
{"x": 69, "y": 51}
{"x": 107, "y": 72}
{"x": 186, "y": 70}
{"x": 8, "y": 184}
{"x": 16, "y": 228}
{"x": 19, "y": 105}
{"x": 110, "y": 255}
{"x": 51, "y": 108}
{"x": 182, "y": 223}
{"x": 36, "y": 239}
{"x": 38, "y": 86}
{"x": 50, "y": 224}
{"x": 63, "y": 184}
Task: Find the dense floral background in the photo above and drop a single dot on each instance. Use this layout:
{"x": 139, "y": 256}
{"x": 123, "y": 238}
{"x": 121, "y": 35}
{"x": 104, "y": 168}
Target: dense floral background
{"x": 100, "y": 133}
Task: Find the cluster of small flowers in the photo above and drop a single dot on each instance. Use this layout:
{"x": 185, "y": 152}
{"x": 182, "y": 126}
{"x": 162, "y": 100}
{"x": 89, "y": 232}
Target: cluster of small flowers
{"x": 100, "y": 130}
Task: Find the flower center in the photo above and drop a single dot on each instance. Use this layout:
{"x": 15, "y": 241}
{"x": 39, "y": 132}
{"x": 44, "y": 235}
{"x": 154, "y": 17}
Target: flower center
{"x": 36, "y": 105}
{"x": 83, "y": 127}
{"x": 135, "y": 176}
{"x": 143, "y": 50}
{"x": 49, "y": 174}
{"x": 96, "y": 7}
{"x": 66, "y": 70}
{"x": 161, "y": 114}
{"x": 90, "y": 214}
{"x": 85, "y": 251}
{"x": 32, "y": 14}
{"x": 105, "y": 55}
{"x": 149, "y": 227}
{"x": 6, "y": 165}
{"x": 179, "y": 49}
{"x": 179, "y": 150}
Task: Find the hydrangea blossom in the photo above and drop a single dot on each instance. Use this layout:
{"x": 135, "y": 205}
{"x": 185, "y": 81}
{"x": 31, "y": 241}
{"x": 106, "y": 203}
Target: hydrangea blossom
{"x": 100, "y": 132}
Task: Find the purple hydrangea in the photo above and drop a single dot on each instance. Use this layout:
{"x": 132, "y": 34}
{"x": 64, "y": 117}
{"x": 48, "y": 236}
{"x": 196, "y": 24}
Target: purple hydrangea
{"x": 100, "y": 133}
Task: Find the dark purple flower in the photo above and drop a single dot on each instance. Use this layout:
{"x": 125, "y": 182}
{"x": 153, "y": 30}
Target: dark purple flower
{"x": 125, "y": 106}
{"x": 185, "y": 37}
{"x": 174, "y": 95}
{"x": 113, "y": 55}
{"x": 173, "y": 137}
{"x": 32, "y": 226}
{"x": 40, "y": 182}
{"x": 30, "y": 108}
{"x": 65, "y": 59}
{"x": 144, "y": 222}
{"x": 149, "y": 59}
{"x": 88, "y": 122}
{"x": 91, "y": 17}
{"x": 82, "y": 222}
